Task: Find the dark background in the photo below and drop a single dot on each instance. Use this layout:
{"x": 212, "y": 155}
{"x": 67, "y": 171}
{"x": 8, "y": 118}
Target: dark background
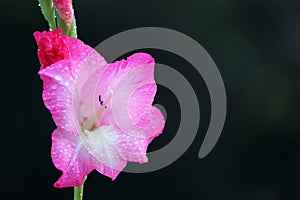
{"x": 256, "y": 46}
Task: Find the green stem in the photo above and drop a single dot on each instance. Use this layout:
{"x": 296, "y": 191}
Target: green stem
{"x": 78, "y": 191}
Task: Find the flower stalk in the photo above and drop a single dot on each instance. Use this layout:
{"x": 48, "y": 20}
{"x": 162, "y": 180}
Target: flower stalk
{"x": 78, "y": 191}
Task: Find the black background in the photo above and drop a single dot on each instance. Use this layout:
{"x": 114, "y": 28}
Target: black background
{"x": 256, "y": 46}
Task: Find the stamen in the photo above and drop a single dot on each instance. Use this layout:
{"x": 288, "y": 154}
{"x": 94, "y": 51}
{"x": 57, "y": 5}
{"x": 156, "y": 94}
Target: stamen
{"x": 90, "y": 124}
{"x": 100, "y": 100}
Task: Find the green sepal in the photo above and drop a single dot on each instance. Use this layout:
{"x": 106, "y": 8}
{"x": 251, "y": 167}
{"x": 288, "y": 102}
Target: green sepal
{"x": 73, "y": 28}
{"x": 48, "y": 11}
{"x": 67, "y": 30}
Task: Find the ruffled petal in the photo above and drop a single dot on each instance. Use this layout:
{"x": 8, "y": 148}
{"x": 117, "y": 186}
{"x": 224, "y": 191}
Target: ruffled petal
{"x": 78, "y": 156}
{"x": 114, "y": 72}
{"x": 140, "y": 104}
{"x": 156, "y": 126}
{"x": 69, "y": 156}
{"x": 102, "y": 146}
{"x": 58, "y": 94}
{"x": 135, "y": 90}
{"x": 133, "y": 149}
{"x": 130, "y": 83}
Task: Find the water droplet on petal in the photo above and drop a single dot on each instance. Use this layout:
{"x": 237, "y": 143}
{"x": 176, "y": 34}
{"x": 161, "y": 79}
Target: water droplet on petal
{"x": 57, "y": 77}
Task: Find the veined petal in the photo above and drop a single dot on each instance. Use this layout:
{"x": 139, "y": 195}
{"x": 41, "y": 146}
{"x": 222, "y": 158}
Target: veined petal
{"x": 69, "y": 155}
{"x": 130, "y": 83}
{"x": 133, "y": 149}
{"x": 136, "y": 90}
{"x": 102, "y": 146}
{"x": 114, "y": 72}
{"x": 78, "y": 156}
{"x": 140, "y": 104}
{"x": 156, "y": 126}
{"x": 58, "y": 94}
{"x": 89, "y": 96}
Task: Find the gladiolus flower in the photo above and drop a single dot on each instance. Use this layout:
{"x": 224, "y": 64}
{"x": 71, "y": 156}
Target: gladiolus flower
{"x": 103, "y": 112}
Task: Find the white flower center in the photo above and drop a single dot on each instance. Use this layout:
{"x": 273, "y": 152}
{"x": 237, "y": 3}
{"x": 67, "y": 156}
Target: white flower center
{"x": 93, "y": 121}
{"x": 101, "y": 143}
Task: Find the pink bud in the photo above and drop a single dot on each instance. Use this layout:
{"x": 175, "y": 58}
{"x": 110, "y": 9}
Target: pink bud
{"x": 65, "y": 10}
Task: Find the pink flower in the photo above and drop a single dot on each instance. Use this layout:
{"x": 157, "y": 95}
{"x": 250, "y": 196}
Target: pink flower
{"x": 65, "y": 10}
{"x": 103, "y": 112}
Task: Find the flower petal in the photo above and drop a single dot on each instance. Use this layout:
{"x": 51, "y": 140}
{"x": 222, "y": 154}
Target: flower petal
{"x": 156, "y": 126}
{"x": 140, "y": 104}
{"x": 136, "y": 86}
{"x": 102, "y": 146}
{"x": 133, "y": 149}
{"x": 69, "y": 155}
{"x": 114, "y": 72}
{"x": 63, "y": 82}
{"x": 58, "y": 94}
{"x": 131, "y": 110}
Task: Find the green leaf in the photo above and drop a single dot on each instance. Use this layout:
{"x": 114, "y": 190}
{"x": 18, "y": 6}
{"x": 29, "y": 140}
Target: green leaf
{"x": 48, "y": 11}
{"x": 73, "y": 28}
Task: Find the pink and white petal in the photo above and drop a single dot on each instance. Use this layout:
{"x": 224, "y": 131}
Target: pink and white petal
{"x": 131, "y": 106}
{"x": 107, "y": 119}
{"x": 80, "y": 51}
{"x": 89, "y": 97}
{"x": 140, "y": 104}
{"x": 63, "y": 82}
{"x": 133, "y": 149}
{"x": 127, "y": 86}
{"x": 155, "y": 128}
{"x": 58, "y": 94}
{"x": 102, "y": 146}
{"x": 105, "y": 170}
{"x": 69, "y": 156}
{"x": 114, "y": 72}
